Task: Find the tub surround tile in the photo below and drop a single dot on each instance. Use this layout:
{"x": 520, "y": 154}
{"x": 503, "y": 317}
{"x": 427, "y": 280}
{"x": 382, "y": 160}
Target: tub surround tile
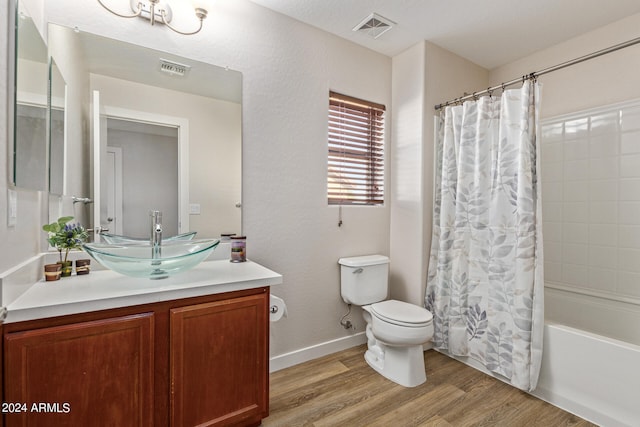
{"x": 575, "y": 150}
{"x": 603, "y": 168}
{"x": 552, "y": 211}
{"x": 629, "y": 189}
{"x": 576, "y": 170}
{"x": 575, "y": 212}
{"x": 629, "y": 284}
{"x": 553, "y": 191}
{"x": 574, "y": 274}
{"x": 603, "y": 213}
{"x": 603, "y": 146}
{"x": 630, "y": 166}
{"x": 630, "y": 118}
{"x": 576, "y": 128}
{"x": 553, "y": 271}
{"x": 628, "y": 260}
{"x": 629, "y": 213}
{"x": 575, "y": 233}
{"x": 575, "y": 253}
{"x": 607, "y": 123}
{"x": 603, "y": 190}
{"x": 602, "y": 279}
{"x": 552, "y": 231}
{"x": 576, "y": 191}
{"x": 553, "y": 172}
{"x": 630, "y": 142}
{"x": 602, "y": 257}
{"x": 592, "y": 225}
{"x": 629, "y": 236}
{"x": 552, "y": 152}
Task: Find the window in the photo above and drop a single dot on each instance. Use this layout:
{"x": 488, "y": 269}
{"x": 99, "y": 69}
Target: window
{"x": 356, "y": 151}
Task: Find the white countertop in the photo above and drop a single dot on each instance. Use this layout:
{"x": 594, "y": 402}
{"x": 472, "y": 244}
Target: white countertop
{"x": 107, "y": 289}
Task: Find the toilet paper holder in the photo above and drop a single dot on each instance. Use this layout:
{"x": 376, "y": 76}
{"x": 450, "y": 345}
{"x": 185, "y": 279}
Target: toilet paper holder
{"x": 277, "y": 308}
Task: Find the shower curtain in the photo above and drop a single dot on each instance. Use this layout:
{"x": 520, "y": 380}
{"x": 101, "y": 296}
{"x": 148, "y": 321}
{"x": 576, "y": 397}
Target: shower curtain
{"x": 485, "y": 279}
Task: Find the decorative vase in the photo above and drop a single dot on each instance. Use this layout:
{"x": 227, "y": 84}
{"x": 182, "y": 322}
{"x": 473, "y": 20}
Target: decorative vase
{"x": 52, "y": 272}
{"x": 83, "y": 266}
{"x": 67, "y": 268}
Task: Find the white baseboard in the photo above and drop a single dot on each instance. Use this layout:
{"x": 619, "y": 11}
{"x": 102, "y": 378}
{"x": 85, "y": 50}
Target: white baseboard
{"x": 296, "y": 357}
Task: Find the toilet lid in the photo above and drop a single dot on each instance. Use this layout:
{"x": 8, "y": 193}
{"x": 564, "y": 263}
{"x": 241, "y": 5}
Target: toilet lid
{"x": 402, "y": 313}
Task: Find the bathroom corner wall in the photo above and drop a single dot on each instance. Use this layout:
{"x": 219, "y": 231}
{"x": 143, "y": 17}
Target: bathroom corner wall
{"x": 423, "y": 76}
{"x": 407, "y": 173}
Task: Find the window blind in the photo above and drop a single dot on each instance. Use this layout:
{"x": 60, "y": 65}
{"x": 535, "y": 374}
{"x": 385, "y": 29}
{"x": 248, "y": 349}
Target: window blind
{"x": 356, "y": 151}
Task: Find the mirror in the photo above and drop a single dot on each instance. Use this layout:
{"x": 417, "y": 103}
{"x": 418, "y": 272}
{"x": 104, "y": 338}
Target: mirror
{"x": 123, "y": 103}
{"x": 29, "y": 160}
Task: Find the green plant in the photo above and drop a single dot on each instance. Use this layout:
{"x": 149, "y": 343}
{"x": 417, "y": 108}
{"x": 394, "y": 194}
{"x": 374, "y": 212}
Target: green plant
{"x": 64, "y": 236}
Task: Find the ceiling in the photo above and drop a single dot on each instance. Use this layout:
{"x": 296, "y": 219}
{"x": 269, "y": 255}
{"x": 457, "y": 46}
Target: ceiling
{"x": 489, "y": 33}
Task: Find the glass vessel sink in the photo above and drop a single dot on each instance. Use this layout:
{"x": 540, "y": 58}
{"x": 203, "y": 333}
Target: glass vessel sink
{"x": 140, "y": 259}
{"x": 117, "y": 239}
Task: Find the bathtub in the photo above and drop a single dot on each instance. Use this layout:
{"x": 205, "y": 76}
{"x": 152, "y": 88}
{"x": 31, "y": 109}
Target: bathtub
{"x": 585, "y": 372}
{"x": 592, "y": 376}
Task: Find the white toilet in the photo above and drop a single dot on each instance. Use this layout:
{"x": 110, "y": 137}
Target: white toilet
{"x": 396, "y": 330}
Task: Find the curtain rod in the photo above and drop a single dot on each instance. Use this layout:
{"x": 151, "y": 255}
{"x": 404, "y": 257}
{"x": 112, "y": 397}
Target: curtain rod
{"x": 535, "y": 74}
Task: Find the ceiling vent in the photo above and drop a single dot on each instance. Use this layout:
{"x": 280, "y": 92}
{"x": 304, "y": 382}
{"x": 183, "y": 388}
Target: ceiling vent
{"x": 374, "y": 25}
{"x": 173, "y": 68}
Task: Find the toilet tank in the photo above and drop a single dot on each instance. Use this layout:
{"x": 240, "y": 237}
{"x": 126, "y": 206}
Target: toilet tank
{"x": 364, "y": 279}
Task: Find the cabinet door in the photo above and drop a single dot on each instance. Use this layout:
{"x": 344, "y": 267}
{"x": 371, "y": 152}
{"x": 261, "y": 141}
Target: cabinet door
{"x": 219, "y": 365}
{"x": 97, "y": 373}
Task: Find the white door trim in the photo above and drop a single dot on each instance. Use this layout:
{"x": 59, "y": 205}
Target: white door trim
{"x": 114, "y": 204}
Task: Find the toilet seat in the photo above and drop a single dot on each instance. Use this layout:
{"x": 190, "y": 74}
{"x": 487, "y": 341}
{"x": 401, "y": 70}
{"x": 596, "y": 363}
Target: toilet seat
{"x": 402, "y": 313}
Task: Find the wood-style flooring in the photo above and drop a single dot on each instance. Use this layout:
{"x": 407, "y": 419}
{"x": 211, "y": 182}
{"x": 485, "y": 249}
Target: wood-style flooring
{"x": 342, "y": 390}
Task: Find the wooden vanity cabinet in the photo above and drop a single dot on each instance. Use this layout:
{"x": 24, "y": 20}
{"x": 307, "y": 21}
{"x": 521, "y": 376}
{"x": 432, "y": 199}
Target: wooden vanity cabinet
{"x": 81, "y": 373}
{"x": 187, "y": 362}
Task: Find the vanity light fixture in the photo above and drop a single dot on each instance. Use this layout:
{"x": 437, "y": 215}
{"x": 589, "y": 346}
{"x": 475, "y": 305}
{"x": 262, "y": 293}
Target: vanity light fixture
{"x": 157, "y": 11}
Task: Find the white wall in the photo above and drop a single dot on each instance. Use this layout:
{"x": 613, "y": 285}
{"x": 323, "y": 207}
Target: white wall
{"x": 601, "y": 81}
{"x": 407, "y": 173}
{"x": 288, "y": 69}
{"x": 423, "y": 76}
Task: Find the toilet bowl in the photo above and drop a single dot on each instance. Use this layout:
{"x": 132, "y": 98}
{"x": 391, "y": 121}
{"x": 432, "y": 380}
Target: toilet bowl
{"x": 394, "y": 343}
{"x": 396, "y": 330}
{"x": 399, "y": 323}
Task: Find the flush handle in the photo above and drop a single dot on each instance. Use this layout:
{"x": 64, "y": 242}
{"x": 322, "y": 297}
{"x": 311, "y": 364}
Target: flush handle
{"x": 358, "y": 270}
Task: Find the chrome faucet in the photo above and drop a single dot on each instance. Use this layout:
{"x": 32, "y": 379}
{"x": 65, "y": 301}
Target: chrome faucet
{"x": 156, "y": 232}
